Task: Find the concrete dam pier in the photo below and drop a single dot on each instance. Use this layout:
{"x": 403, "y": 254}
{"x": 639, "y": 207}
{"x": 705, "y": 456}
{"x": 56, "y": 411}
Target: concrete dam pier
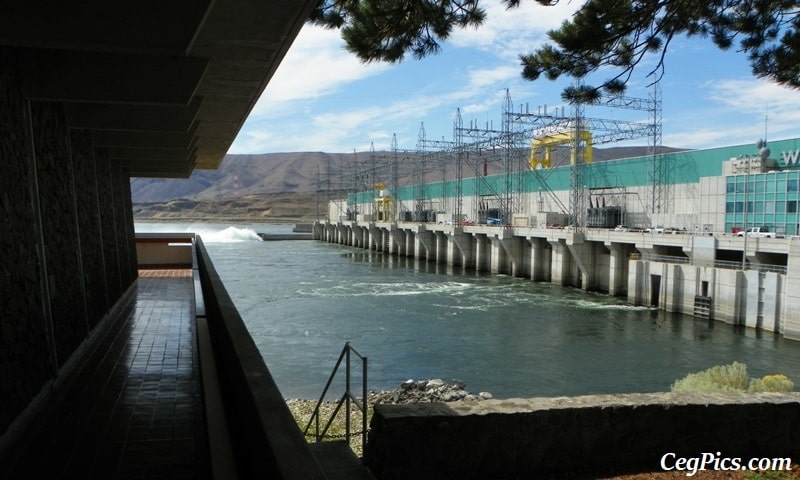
{"x": 676, "y": 272}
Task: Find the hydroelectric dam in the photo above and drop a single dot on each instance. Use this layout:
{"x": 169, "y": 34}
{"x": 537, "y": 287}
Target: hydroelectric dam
{"x": 685, "y": 251}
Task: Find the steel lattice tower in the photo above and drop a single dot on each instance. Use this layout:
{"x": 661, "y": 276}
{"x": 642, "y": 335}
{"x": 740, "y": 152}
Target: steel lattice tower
{"x": 660, "y": 203}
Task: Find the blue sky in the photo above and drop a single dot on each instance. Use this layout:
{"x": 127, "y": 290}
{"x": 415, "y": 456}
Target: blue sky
{"x": 323, "y": 99}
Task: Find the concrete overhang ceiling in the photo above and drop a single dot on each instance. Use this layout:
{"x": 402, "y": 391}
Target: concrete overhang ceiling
{"x": 165, "y": 85}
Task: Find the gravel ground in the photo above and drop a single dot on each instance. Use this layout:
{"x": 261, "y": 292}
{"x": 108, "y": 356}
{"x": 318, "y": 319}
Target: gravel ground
{"x": 410, "y": 391}
{"x": 710, "y": 475}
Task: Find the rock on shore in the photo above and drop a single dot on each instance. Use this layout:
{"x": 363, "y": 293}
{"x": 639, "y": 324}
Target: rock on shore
{"x": 410, "y": 391}
{"x": 424, "y": 391}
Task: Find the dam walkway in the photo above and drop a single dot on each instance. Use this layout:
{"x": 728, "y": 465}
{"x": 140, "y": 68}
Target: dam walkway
{"x": 169, "y": 386}
{"x": 134, "y": 408}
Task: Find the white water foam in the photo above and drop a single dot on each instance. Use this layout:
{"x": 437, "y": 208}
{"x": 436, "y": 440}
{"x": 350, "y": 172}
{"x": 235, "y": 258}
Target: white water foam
{"x": 211, "y": 233}
{"x": 359, "y": 289}
{"x": 229, "y": 235}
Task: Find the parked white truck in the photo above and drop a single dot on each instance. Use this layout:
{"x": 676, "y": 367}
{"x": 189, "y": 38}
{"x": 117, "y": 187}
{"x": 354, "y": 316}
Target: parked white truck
{"x": 758, "y": 232}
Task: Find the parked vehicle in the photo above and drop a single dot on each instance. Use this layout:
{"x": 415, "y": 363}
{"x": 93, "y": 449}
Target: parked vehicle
{"x": 758, "y": 232}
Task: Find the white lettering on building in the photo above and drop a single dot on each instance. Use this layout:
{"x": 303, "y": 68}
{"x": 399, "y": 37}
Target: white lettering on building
{"x": 791, "y": 158}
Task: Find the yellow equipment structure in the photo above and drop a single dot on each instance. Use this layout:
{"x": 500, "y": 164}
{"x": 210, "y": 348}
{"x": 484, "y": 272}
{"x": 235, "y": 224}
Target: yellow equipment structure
{"x": 384, "y": 205}
{"x": 545, "y": 140}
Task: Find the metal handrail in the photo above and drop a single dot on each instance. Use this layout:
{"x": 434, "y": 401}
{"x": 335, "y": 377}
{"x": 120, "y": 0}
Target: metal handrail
{"x": 761, "y": 267}
{"x": 651, "y": 257}
{"x": 346, "y": 398}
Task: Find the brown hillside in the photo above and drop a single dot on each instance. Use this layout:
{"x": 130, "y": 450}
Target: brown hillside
{"x": 283, "y": 185}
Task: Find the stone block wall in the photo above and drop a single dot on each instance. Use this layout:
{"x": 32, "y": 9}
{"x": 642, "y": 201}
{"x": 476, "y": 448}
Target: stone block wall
{"x": 66, "y": 243}
{"x": 94, "y": 275}
{"x": 111, "y": 247}
{"x": 59, "y": 228}
{"x": 25, "y": 363}
{"x": 573, "y": 436}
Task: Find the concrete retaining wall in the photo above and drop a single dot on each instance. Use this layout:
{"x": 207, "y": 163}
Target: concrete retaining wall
{"x": 573, "y": 436}
{"x": 169, "y": 249}
{"x": 266, "y": 439}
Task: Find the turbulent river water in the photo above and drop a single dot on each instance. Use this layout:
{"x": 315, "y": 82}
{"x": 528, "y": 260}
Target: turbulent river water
{"x": 302, "y": 300}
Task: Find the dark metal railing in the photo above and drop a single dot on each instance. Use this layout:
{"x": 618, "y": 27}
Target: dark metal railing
{"x": 761, "y": 267}
{"x": 346, "y": 398}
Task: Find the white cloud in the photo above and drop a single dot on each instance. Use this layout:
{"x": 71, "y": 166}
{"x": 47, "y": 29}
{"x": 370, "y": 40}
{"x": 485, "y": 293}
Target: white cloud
{"x": 706, "y": 138}
{"x": 316, "y": 65}
{"x": 756, "y": 96}
{"x": 323, "y": 98}
{"x": 485, "y": 77}
{"x": 747, "y": 104}
{"x": 509, "y": 33}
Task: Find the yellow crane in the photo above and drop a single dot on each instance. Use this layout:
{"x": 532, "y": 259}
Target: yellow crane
{"x": 546, "y": 139}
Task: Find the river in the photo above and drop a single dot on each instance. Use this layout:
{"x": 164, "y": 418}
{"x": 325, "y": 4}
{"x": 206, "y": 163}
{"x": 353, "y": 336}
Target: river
{"x": 302, "y": 300}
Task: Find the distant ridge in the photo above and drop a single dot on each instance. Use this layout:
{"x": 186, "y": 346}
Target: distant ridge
{"x": 273, "y": 173}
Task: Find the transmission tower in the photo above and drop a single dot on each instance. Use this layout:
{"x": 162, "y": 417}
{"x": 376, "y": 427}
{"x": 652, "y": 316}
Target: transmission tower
{"x": 508, "y": 163}
{"x": 395, "y": 176}
{"x": 660, "y": 202}
{"x": 603, "y": 131}
{"x": 419, "y": 176}
{"x": 458, "y": 159}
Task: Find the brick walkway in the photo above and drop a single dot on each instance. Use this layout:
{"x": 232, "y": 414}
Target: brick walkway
{"x": 136, "y": 410}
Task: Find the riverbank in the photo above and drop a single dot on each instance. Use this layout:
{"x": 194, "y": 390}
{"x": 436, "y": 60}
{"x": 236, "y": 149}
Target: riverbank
{"x": 410, "y": 391}
{"x": 436, "y": 390}
{"x": 286, "y": 207}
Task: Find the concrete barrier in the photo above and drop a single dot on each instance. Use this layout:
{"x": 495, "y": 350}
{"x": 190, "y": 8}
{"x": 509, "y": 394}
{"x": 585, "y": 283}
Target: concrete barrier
{"x": 267, "y": 442}
{"x": 573, "y": 437}
{"x": 164, "y": 250}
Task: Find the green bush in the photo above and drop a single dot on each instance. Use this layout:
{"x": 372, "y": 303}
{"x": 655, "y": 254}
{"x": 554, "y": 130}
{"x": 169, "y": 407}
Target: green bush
{"x": 768, "y": 475}
{"x": 731, "y": 378}
{"x": 771, "y": 383}
{"x": 719, "y": 379}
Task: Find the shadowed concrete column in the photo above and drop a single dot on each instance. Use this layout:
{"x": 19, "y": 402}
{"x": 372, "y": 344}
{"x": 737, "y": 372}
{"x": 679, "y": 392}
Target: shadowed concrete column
{"x": 409, "y": 243}
{"x": 673, "y": 278}
{"x": 423, "y": 244}
{"x": 441, "y": 247}
{"x": 347, "y": 235}
{"x": 362, "y": 236}
{"x": 374, "y": 238}
{"x": 358, "y": 236}
{"x": 749, "y": 294}
{"x": 514, "y": 255}
{"x": 540, "y": 259}
{"x": 771, "y": 315}
{"x": 459, "y": 249}
{"x": 791, "y": 299}
{"x": 397, "y": 241}
{"x": 560, "y": 262}
{"x": 617, "y": 269}
{"x": 637, "y": 274}
{"x": 582, "y": 257}
{"x": 497, "y": 257}
{"x": 341, "y": 234}
{"x": 482, "y": 257}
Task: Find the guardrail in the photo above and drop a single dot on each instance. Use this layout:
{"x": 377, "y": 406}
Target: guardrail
{"x": 761, "y": 267}
{"x": 664, "y": 258}
{"x": 346, "y": 398}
